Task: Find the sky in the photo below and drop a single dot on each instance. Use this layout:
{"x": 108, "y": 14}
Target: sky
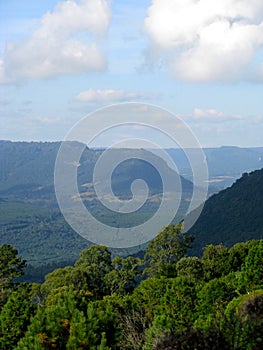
{"x": 201, "y": 60}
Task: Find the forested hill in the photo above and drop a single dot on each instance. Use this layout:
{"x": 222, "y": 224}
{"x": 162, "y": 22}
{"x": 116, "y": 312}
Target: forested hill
{"x": 27, "y": 168}
{"x": 27, "y": 171}
{"x": 233, "y": 215}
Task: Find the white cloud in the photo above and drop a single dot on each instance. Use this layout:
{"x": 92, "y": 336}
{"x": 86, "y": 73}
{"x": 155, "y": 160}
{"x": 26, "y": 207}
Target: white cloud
{"x": 110, "y": 95}
{"x": 212, "y": 115}
{"x": 207, "y": 40}
{"x": 66, "y": 41}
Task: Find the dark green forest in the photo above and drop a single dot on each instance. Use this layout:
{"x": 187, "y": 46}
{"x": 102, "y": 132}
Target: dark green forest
{"x": 166, "y": 300}
{"x": 43, "y": 237}
{"x": 232, "y": 215}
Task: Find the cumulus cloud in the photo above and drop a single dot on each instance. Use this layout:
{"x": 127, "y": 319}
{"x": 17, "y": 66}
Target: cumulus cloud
{"x": 110, "y": 95}
{"x": 207, "y": 40}
{"x": 66, "y": 41}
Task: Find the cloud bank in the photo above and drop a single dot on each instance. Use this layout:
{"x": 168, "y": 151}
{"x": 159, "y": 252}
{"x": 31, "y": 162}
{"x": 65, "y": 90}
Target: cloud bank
{"x": 208, "y": 40}
{"x": 110, "y": 96}
{"x": 65, "y": 42}
{"x": 213, "y": 116}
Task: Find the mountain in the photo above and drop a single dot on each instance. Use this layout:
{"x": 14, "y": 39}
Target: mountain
{"x": 27, "y": 171}
{"x": 27, "y": 168}
{"x": 232, "y": 215}
{"x": 225, "y": 164}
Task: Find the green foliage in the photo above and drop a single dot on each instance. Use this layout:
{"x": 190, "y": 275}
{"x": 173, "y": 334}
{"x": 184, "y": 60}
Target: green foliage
{"x": 251, "y": 276}
{"x": 214, "y": 296}
{"x": 244, "y": 321}
{"x": 62, "y": 325}
{"x": 238, "y": 254}
{"x": 123, "y": 277}
{"x": 11, "y": 267}
{"x": 88, "y": 274}
{"x": 164, "y": 251}
{"x": 215, "y": 261}
{"x": 56, "y": 279}
{"x": 102, "y": 303}
{"x": 177, "y": 307}
{"x": 41, "y": 235}
{"x": 92, "y": 267}
{"x": 175, "y": 311}
{"x": 147, "y": 295}
{"x": 137, "y": 311}
{"x": 16, "y": 316}
{"x": 191, "y": 267}
{"x": 50, "y": 326}
{"x": 232, "y": 215}
{"x": 94, "y": 329}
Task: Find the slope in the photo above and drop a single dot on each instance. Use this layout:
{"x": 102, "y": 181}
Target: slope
{"x": 233, "y": 215}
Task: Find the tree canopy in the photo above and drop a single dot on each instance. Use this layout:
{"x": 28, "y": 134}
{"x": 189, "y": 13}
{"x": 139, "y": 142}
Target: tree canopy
{"x": 109, "y": 303}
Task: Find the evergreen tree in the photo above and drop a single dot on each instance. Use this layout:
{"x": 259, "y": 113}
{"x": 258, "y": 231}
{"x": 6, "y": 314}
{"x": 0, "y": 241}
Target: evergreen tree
{"x": 11, "y": 267}
{"x": 16, "y": 316}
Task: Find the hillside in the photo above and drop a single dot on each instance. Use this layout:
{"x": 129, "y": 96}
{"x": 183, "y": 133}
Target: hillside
{"x": 26, "y": 169}
{"x": 40, "y": 234}
{"x": 233, "y": 215}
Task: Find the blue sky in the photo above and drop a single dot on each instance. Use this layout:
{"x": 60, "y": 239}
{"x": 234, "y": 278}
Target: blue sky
{"x": 201, "y": 60}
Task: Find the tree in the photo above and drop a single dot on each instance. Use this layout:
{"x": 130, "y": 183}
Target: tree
{"x": 215, "y": 261}
{"x": 191, "y": 267}
{"x": 192, "y": 339}
{"x": 62, "y": 325}
{"x": 51, "y": 325}
{"x": 251, "y": 276}
{"x": 57, "y": 279}
{"x": 93, "y": 265}
{"x": 214, "y": 296}
{"x": 244, "y": 321}
{"x": 15, "y": 316}
{"x": 166, "y": 250}
{"x": 238, "y": 254}
{"x": 123, "y": 277}
{"x": 11, "y": 267}
{"x": 177, "y": 307}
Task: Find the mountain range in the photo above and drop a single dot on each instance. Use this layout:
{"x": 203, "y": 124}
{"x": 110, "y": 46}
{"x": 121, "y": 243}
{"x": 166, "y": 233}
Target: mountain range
{"x": 31, "y": 221}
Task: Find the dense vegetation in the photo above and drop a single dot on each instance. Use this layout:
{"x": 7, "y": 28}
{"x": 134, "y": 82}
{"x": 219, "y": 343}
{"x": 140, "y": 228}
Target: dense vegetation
{"x": 42, "y": 236}
{"x": 168, "y": 300}
{"x": 232, "y": 215}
